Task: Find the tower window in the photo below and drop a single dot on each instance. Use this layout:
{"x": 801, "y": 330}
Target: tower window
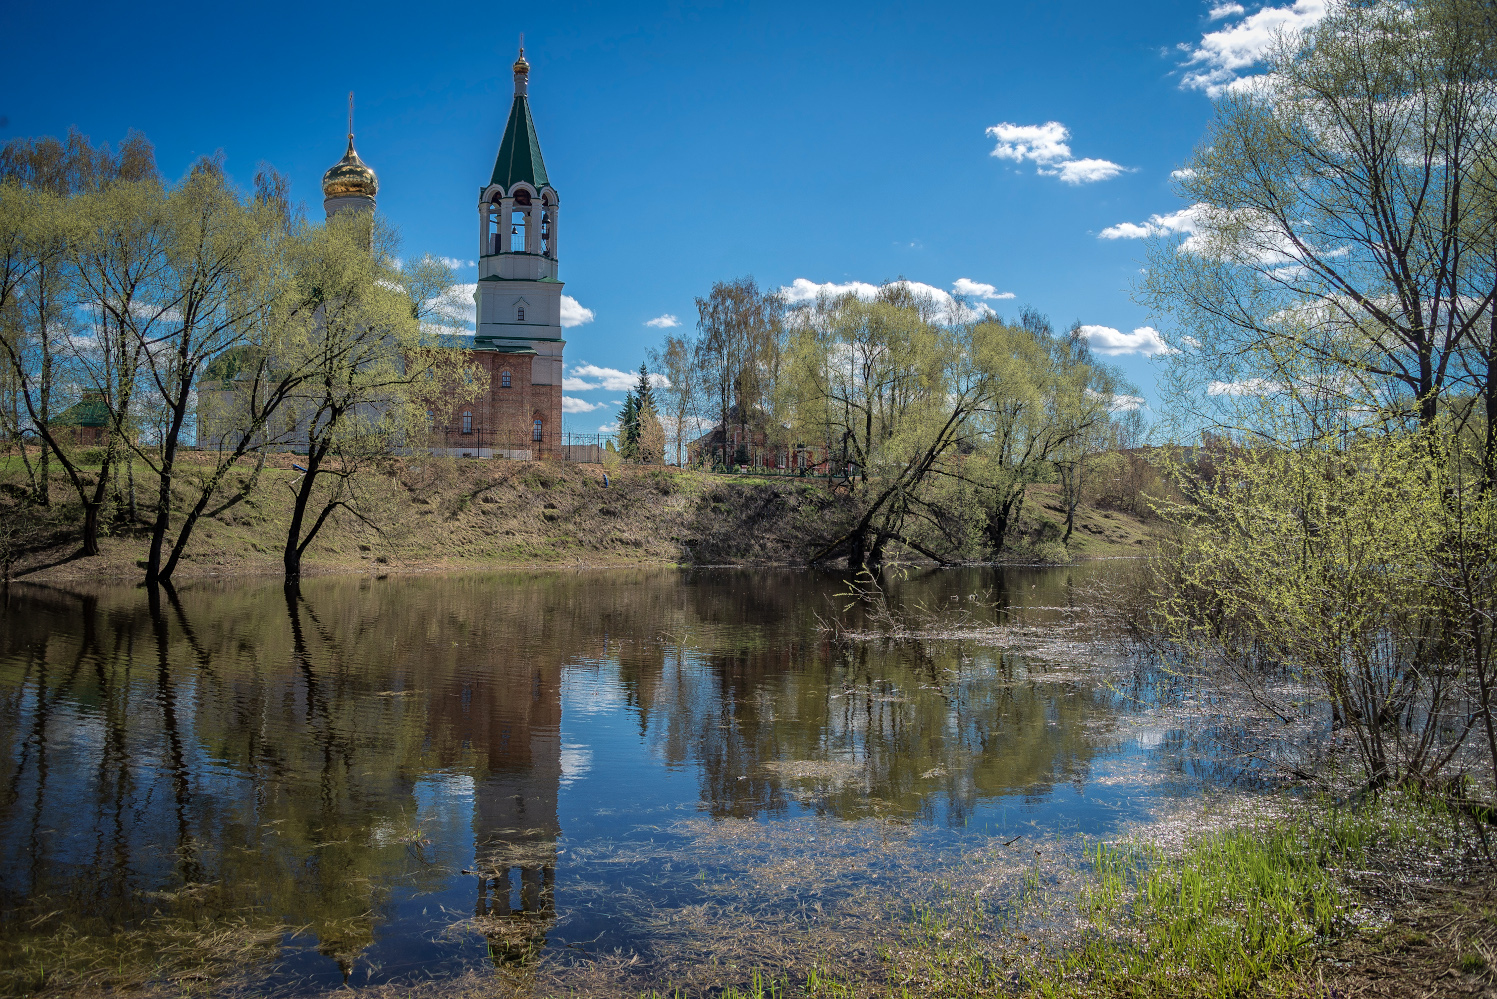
{"x": 536, "y": 434}
{"x": 521, "y": 314}
{"x": 504, "y": 380}
{"x": 467, "y": 423}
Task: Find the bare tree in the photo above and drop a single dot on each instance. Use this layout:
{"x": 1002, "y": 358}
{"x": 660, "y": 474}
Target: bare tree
{"x": 1337, "y": 248}
{"x": 680, "y": 395}
{"x": 737, "y": 352}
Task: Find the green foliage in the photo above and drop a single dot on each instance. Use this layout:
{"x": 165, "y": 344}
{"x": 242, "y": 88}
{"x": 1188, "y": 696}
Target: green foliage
{"x": 938, "y": 428}
{"x": 641, "y": 437}
{"x": 1340, "y": 228}
{"x": 1363, "y": 572}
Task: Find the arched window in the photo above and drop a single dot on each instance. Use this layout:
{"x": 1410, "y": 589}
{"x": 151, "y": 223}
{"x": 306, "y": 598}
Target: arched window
{"x": 520, "y": 314}
{"x": 536, "y": 434}
{"x": 467, "y": 423}
{"x": 504, "y": 379}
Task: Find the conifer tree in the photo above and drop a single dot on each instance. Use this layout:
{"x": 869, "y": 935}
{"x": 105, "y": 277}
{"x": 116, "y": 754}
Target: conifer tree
{"x": 629, "y": 427}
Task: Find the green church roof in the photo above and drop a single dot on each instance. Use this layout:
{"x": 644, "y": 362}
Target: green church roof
{"x": 520, "y": 152}
{"x": 91, "y": 412}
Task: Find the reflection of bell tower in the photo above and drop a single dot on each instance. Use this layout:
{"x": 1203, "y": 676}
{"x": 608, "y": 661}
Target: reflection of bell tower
{"x": 515, "y": 823}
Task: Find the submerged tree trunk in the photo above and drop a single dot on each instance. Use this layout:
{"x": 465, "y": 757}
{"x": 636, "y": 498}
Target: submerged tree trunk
{"x": 1002, "y": 519}
{"x": 295, "y": 546}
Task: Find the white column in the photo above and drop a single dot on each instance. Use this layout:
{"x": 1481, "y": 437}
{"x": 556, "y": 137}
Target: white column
{"x": 532, "y": 228}
{"x": 506, "y": 222}
{"x": 483, "y": 228}
{"x": 554, "y": 210}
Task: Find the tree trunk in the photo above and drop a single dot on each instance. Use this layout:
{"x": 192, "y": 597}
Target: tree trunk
{"x": 91, "y": 528}
{"x": 43, "y": 482}
{"x": 295, "y": 545}
{"x": 160, "y": 524}
{"x": 1002, "y": 519}
{"x": 856, "y": 554}
{"x": 1489, "y": 390}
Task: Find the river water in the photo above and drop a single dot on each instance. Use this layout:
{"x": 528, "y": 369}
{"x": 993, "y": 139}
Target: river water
{"x": 632, "y": 778}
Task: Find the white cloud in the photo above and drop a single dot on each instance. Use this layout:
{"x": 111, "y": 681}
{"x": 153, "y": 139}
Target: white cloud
{"x": 1047, "y": 143}
{"x": 1185, "y": 173}
{"x": 586, "y": 377}
{"x": 1248, "y": 386}
{"x": 1143, "y": 340}
{"x": 803, "y": 291}
{"x": 1087, "y": 171}
{"x": 457, "y": 264}
{"x": 1253, "y": 240}
{"x": 458, "y": 305}
{"x": 1048, "y": 147}
{"x": 1222, "y": 55}
{"x": 589, "y": 376}
{"x": 609, "y": 428}
{"x": 976, "y": 289}
{"x": 572, "y": 312}
{"x": 1226, "y": 10}
{"x": 664, "y": 322}
{"x": 571, "y": 405}
{"x": 1186, "y": 220}
{"x": 1121, "y": 403}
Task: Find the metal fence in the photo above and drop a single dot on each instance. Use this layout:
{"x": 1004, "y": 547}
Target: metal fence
{"x": 564, "y": 445}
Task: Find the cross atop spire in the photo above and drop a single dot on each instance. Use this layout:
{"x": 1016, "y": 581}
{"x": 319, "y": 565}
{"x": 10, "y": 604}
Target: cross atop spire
{"x": 350, "y": 116}
{"x": 522, "y": 72}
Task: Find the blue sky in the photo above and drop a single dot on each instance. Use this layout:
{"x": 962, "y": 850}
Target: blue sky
{"x": 819, "y": 143}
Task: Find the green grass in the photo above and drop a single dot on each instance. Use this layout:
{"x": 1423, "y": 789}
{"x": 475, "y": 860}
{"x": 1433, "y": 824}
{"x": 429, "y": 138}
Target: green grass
{"x": 1240, "y": 908}
{"x": 1239, "y": 912}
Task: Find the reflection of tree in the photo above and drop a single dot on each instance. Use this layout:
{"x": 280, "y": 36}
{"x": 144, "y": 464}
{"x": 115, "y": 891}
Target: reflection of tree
{"x": 245, "y": 751}
{"x": 857, "y": 730}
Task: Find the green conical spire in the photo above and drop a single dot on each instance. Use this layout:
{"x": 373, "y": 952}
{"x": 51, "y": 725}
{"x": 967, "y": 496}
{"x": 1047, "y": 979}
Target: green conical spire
{"x": 520, "y": 152}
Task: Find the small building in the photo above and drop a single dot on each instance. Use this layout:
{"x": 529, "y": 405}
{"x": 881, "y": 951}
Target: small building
{"x": 749, "y": 446}
{"x": 85, "y": 423}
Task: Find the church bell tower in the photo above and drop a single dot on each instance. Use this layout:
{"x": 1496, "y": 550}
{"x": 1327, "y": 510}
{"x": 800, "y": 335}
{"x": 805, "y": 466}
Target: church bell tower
{"x": 518, "y": 336}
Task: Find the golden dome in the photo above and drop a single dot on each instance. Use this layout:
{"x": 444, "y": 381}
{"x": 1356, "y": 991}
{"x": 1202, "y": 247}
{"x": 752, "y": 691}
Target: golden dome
{"x": 349, "y": 177}
{"x": 521, "y": 66}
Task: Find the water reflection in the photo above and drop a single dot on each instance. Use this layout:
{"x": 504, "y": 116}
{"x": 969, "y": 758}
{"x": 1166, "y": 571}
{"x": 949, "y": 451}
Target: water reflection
{"x": 333, "y": 776}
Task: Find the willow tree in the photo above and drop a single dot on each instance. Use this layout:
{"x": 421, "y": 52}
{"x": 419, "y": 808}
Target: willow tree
{"x": 214, "y": 265}
{"x": 42, "y": 314}
{"x": 368, "y": 336}
{"x": 1048, "y": 399}
{"x": 890, "y": 395}
{"x": 1338, "y": 251}
{"x": 50, "y": 328}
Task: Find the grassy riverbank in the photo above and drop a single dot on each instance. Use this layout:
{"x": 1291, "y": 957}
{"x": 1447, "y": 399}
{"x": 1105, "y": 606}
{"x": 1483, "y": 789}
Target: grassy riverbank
{"x": 472, "y": 514}
{"x": 1384, "y": 899}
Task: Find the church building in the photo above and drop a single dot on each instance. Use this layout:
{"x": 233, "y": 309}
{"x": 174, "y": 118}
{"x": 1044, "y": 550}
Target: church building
{"x": 518, "y": 337}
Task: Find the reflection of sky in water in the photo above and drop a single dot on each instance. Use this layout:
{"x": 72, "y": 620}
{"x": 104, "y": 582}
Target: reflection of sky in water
{"x": 517, "y": 758}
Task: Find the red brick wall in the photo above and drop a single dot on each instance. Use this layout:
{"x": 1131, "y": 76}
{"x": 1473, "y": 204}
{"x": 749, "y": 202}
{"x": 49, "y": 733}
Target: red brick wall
{"x": 506, "y": 415}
